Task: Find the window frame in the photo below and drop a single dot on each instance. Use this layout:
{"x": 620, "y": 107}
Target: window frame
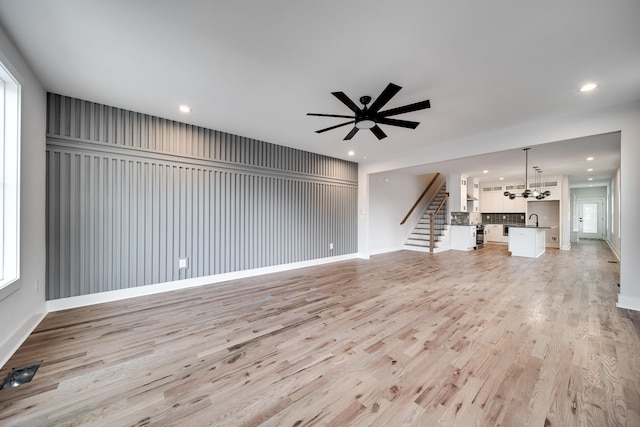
{"x": 10, "y": 112}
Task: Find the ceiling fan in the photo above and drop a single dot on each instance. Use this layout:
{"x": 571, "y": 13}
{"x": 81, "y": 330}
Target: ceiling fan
{"x": 371, "y": 117}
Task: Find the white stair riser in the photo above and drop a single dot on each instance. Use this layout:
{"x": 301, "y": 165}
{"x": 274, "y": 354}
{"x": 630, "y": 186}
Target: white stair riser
{"x": 420, "y": 238}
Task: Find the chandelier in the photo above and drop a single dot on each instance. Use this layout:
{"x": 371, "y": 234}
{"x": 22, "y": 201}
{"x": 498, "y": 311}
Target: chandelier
{"x": 538, "y": 182}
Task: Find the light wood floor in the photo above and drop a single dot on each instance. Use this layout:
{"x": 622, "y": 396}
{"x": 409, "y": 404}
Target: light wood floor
{"x": 456, "y": 338}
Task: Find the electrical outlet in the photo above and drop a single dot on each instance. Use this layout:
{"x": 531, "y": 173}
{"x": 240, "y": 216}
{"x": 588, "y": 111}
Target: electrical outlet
{"x": 183, "y": 263}
{"x": 554, "y": 238}
{"x": 37, "y": 285}
{"x": 330, "y": 246}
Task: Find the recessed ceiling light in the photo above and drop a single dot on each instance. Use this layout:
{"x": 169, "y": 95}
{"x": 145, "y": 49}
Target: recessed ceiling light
{"x": 590, "y": 179}
{"x": 501, "y": 178}
{"x": 588, "y": 87}
{"x": 184, "y": 108}
{"x": 589, "y": 159}
{"x": 485, "y": 171}
{"x": 590, "y": 170}
{"x": 351, "y": 153}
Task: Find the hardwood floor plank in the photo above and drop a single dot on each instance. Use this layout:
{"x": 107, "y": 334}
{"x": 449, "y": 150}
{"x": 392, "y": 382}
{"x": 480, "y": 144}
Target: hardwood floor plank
{"x": 452, "y": 339}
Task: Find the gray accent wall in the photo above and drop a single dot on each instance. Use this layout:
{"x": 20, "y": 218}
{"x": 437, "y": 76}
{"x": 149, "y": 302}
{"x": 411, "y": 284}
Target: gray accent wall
{"x": 129, "y": 194}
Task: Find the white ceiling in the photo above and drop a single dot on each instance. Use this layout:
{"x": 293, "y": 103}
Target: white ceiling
{"x": 255, "y": 68}
{"x": 557, "y": 158}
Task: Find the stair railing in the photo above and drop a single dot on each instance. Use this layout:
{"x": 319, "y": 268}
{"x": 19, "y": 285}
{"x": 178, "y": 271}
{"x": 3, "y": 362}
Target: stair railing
{"x": 424, "y": 193}
{"x": 432, "y": 222}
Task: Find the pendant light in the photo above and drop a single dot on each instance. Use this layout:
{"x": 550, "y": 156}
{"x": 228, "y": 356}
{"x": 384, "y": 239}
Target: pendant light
{"x": 538, "y": 182}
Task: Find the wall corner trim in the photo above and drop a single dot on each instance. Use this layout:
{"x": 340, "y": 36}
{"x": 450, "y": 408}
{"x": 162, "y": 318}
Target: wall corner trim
{"x": 9, "y": 347}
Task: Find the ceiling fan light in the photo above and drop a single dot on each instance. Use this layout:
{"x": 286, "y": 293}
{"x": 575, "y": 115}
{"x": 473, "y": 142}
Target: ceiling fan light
{"x": 512, "y": 196}
{"x": 547, "y": 193}
{"x": 365, "y": 124}
{"x": 588, "y": 87}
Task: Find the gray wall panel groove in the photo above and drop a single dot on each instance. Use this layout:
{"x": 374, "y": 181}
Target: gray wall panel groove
{"x": 129, "y": 194}
{"x": 86, "y": 121}
{"x": 133, "y": 153}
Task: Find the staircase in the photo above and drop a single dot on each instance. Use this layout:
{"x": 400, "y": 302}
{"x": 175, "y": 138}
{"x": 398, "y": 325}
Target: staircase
{"x": 419, "y": 239}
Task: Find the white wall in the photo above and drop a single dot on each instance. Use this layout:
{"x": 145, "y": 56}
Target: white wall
{"x": 22, "y": 309}
{"x": 548, "y": 212}
{"x": 629, "y": 207}
{"x": 622, "y": 118}
{"x": 392, "y": 195}
{"x": 614, "y": 232}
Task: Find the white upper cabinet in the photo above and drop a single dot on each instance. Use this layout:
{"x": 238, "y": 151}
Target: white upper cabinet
{"x": 457, "y": 186}
{"x": 519, "y": 204}
{"x": 547, "y": 184}
{"x": 473, "y": 190}
{"x": 493, "y": 200}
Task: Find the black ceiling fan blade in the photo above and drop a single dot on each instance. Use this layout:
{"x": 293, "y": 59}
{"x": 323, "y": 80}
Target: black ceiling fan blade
{"x": 395, "y": 122}
{"x": 388, "y": 93}
{"x": 406, "y": 109}
{"x": 334, "y": 127}
{"x": 330, "y": 115}
{"x": 351, "y": 134}
{"x": 378, "y": 132}
{"x": 346, "y": 101}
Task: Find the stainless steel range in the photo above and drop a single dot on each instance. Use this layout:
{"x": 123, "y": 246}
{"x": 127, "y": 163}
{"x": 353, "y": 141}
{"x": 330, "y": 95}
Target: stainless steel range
{"x": 479, "y": 236}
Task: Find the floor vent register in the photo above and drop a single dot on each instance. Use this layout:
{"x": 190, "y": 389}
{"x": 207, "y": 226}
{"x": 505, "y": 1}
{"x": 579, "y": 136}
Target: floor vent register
{"x": 19, "y": 376}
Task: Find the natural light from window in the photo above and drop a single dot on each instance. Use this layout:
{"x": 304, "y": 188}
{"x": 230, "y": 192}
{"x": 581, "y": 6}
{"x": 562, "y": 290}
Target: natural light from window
{"x": 9, "y": 177}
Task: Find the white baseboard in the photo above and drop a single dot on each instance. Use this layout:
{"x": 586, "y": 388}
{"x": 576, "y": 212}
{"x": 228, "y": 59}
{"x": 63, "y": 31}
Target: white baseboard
{"x": 20, "y": 336}
{"x": 630, "y": 303}
{"x": 613, "y": 249}
{"x": 386, "y": 250}
{"x": 120, "y": 294}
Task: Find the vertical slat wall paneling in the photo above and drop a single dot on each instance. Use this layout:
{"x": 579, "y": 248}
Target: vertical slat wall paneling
{"x": 129, "y": 194}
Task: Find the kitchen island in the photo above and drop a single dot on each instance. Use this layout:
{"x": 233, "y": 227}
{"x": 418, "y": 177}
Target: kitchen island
{"x": 527, "y": 240}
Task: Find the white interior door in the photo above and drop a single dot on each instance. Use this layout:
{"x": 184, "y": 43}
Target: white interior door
{"x": 591, "y": 219}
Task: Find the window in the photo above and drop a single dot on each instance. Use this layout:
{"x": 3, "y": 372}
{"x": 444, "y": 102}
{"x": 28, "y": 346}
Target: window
{"x": 9, "y": 177}
{"x": 590, "y": 218}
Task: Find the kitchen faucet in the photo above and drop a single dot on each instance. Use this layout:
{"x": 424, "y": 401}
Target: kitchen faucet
{"x": 536, "y": 218}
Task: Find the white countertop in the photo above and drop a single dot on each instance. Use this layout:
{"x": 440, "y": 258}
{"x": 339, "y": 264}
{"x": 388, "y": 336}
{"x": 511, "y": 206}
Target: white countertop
{"x": 548, "y": 227}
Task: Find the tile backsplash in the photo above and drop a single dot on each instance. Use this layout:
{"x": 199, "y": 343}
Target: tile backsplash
{"x": 459, "y": 218}
{"x": 504, "y": 218}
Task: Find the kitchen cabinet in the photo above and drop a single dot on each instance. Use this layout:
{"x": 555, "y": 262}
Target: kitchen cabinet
{"x": 473, "y": 190}
{"x": 510, "y": 205}
{"x": 463, "y": 237}
{"x": 492, "y": 198}
{"x": 493, "y": 233}
{"x": 457, "y": 186}
{"x": 548, "y": 184}
{"x": 527, "y": 241}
